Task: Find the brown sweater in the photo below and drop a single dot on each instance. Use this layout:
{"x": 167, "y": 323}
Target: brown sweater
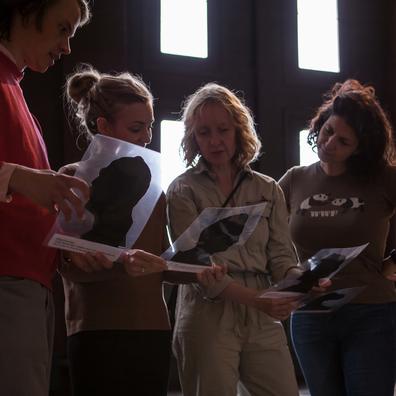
{"x": 111, "y": 299}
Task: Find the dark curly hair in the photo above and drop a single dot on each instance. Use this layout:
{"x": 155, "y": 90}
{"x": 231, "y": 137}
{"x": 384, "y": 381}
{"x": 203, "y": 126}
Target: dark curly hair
{"x": 26, "y": 8}
{"x": 358, "y": 106}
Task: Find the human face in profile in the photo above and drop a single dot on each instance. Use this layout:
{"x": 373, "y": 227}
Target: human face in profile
{"x": 337, "y": 141}
{"x": 215, "y": 135}
{"x": 38, "y": 49}
{"x": 132, "y": 123}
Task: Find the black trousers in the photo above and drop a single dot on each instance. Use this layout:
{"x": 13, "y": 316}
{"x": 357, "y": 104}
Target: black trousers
{"x": 119, "y": 362}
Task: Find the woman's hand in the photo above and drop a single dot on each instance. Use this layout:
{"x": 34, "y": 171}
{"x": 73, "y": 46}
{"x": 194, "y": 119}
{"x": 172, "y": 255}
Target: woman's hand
{"x": 391, "y": 277}
{"x": 50, "y": 190}
{"x": 69, "y": 169}
{"x": 389, "y": 269}
{"x": 278, "y": 308}
{"x": 136, "y": 262}
{"x": 139, "y": 263}
{"x": 209, "y": 277}
{"x": 88, "y": 262}
{"x": 323, "y": 285}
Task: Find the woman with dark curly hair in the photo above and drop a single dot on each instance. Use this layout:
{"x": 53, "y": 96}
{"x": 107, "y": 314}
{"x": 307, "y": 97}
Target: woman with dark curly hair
{"x": 347, "y": 199}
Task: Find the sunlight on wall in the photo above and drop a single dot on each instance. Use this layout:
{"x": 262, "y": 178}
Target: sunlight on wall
{"x": 172, "y": 164}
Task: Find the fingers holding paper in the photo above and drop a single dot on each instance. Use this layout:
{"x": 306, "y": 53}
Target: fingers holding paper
{"x": 278, "y": 308}
{"x": 139, "y": 263}
{"x": 50, "y": 190}
{"x": 210, "y": 276}
{"x": 323, "y": 285}
{"x": 88, "y": 262}
{"x": 392, "y": 277}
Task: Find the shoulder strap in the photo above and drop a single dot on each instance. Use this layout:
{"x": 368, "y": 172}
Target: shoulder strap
{"x": 244, "y": 174}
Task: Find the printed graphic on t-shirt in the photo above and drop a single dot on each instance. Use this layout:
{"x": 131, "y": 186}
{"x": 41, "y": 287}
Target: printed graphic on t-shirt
{"x": 327, "y": 205}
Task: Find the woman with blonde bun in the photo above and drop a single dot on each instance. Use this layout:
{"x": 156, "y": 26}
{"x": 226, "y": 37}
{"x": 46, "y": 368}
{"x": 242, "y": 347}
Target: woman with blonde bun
{"x": 117, "y": 325}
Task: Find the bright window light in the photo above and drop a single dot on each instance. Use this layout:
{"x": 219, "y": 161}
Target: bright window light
{"x": 307, "y": 156}
{"x": 318, "y": 35}
{"x": 172, "y": 164}
{"x": 184, "y": 28}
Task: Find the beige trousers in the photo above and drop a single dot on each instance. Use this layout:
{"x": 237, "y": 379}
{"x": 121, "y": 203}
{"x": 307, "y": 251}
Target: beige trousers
{"x": 214, "y": 355}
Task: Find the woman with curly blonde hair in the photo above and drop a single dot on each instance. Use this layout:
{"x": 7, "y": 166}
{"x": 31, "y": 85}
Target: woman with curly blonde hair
{"x": 248, "y": 144}
{"x": 224, "y": 333}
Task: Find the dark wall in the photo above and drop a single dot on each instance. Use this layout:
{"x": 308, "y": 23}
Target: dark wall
{"x": 252, "y": 49}
{"x": 390, "y": 73}
{"x": 287, "y": 96}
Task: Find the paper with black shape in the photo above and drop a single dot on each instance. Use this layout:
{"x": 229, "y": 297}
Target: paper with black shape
{"x": 324, "y": 264}
{"x": 125, "y": 186}
{"x": 214, "y": 230}
{"x": 330, "y": 301}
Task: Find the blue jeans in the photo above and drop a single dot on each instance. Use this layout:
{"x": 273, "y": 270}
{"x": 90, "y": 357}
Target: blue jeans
{"x": 351, "y": 352}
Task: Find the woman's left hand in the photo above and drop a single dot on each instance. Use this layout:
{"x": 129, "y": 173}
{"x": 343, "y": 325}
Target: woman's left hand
{"x": 278, "y": 308}
{"x": 139, "y": 263}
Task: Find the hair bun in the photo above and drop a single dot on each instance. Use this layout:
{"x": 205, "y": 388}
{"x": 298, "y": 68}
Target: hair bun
{"x": 81, "y": 83}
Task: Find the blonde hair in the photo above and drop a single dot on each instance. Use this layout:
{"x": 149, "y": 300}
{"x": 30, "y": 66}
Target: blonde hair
{"x": 91, "y": 95}
{"x": 247, "y": 142}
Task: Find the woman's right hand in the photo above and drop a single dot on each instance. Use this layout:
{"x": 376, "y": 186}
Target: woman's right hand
{"x": 391, "y": 277}
{"x": 210, "y": 276}
{"x": 389, "y": 269}
{"x": 87, "y": 262}
{"x": 50, "y": 190}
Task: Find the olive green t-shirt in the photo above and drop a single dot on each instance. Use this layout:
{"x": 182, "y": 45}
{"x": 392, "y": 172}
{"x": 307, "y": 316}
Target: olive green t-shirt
{"x": 341, "y": 211}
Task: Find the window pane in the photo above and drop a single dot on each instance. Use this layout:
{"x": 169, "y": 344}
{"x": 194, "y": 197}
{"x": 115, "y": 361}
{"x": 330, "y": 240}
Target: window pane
{"x": 307, "y": 156}
{"x": 184, "y": 27}
{"x": 318, "y": 35}
{"x": 172, "y": 164}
